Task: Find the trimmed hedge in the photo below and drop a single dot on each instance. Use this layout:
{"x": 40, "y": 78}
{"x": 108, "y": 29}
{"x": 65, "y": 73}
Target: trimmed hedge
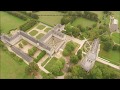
{"x": 30, "y": 14}
{"x": 28, "y": 25}
{"x": 32, "y": 51}
{"x": 42, "y": 54}
{"x": 17, "y": 14}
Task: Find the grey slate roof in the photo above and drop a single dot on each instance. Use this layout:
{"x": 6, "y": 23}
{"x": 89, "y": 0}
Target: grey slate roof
{"x": 22, "y": 54}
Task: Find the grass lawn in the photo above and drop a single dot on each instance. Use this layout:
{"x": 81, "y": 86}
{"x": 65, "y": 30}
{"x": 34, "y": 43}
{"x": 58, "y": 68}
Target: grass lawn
{"x": 33, "y": 33}
{"x": 41, "y": 27}
{"x": 50, "y": 64}
{"x": 40, "y": 36}
{"x": 83, "y": 22}
{"x": 45, "y": 62}
{"x": 116, "y": 37}
{"x": 8, "y": 22}
{"x": 116, "y": 14}
{"x": 47, "y": 29}
{"x": 50, "y": 20}
{"x": 99, "y": 13}
{"x": 112, "y": 56}
{"x": 10, "y": 69}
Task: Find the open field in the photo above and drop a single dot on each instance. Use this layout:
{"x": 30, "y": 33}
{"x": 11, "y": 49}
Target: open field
{"x": 10, "y": 69}
{"x": 116, "y": 37}
{"x": 50, "y": 20}
{"x": 112, "y": 56}
{"x": 9, "y": 22}
{"x": 83, "y": 22}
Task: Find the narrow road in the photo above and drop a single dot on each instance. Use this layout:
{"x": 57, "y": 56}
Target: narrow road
{"x": 101, "y": 60}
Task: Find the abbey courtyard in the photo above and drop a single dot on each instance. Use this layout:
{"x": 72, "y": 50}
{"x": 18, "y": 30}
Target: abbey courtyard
{"x": 68, "y": 49}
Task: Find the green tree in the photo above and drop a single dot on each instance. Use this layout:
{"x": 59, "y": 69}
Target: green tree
{"x": 107, "y": 46}
{"x": 32, "y": 69}
{"x": 75, "y": 31}
{"x": 65, "y": 52}
{"x": 96, "y": 74}
{"x": 20, "y": 45}
{"x": 74, "y": 59}
{"x": 115, "y": 47}
{"x": 79, "y": 53}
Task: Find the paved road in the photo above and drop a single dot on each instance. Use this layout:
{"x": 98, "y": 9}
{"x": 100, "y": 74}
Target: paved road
{"x": 107, "y": 63}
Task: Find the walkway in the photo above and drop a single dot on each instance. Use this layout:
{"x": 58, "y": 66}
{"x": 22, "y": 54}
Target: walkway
{"x": 107, "y": 63}
{"x": 41, "y": 61}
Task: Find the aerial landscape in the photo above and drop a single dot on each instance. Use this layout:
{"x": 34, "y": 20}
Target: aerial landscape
{"x": 59, "y": 44}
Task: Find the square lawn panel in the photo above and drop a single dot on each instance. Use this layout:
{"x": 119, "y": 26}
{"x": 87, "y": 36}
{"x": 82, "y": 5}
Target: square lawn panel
{"x": 50, "y": 64}
{"x": 40, "y": 35}
{"x": 47, "y": 29}
{"x": 33, "y": 33}
{"x": 41, "y": 27}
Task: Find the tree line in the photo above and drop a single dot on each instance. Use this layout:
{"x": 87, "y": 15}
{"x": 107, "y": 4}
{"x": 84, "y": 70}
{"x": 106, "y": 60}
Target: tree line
{"x": 28, "y": 25}
{"x": 30, "y": 14}
{"x": 17, "y": 14}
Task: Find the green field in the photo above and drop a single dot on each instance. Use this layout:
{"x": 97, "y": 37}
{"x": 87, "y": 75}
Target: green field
{"x": 33, "y": 33}
{"x": 45, "y": 62}
{"x": 10, "y": 69}
{"x": 50, "y": 64}
{"x": 40, "y": 36}
{"x": 41, "y": 27}
{"x": 9, "y": 22}
{"x": 50, "y": 20}
{"x": 116, "y": 37}
{"x": 112, "y": 56}
{"x": 47, "y": 29}
{"x": 83, "y": 22}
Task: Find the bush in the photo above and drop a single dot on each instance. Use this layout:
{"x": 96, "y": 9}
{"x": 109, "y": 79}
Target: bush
{"x": 28, "y": 25}
{"x": 42, "y": 54}
{"x": 20, "y": 45}
{"x": 74, "y": 59}
{"x": 32, "y": 51}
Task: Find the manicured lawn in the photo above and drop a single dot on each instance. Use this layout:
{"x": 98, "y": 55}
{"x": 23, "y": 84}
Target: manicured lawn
{"x": 83, "y": 22}
{"x": 116, "y": 37}
{"x": 33, "y": 33}
{"x": 112, "y": 56}
{"x": 50, "y": 64}
{"x": 45, "y": 62}
{"x": 10, "y": 69}
{"x": 50, "y": 20}
{"x": 40, "y": 35}
{"x": 47, "y": 29}
{"x": 41, "y": 27}
{"x": 8, "y": 22}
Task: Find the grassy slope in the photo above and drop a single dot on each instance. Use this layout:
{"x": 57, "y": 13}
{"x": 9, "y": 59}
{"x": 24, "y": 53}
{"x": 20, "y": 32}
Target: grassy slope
{"x": 9, "y": 22}
{"x": 84, "y": 22}
{"x": 112, "y": 56}
{"x": 10, "y": 69}
{"x": 116, "y": 37}
{"x": 50, "y": 20}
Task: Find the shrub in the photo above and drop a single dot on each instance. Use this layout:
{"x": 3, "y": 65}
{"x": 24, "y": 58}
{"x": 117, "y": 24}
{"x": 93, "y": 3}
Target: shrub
{"x": 32, "y": 51}
{"x": 42, "y": 54}
{"x": 20, "y": 45}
